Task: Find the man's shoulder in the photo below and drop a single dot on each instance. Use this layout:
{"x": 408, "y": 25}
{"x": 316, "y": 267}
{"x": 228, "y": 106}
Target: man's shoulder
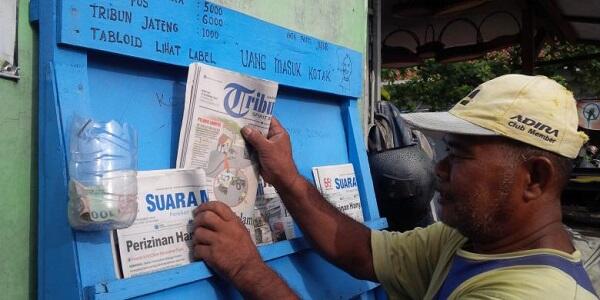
{"x": 521, "y": 282}
{"x": 437, "y": 229}
{"x": 406, "y": 263}
{"x": 435, "y": 236}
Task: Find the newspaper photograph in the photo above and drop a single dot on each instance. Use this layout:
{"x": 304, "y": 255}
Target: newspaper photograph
{"x": 161, "y": 236}
{"x": 273, "y": 222}
{"x": 262, "y": 231}
{"x": 219, "y": 103}
{"x": 337, "y": 183}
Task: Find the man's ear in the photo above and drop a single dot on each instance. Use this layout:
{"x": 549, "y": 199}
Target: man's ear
{"x": 540, "y": 173}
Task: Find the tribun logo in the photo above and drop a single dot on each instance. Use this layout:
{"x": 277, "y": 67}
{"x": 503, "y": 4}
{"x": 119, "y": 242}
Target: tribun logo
{"x": 239, "y": 100}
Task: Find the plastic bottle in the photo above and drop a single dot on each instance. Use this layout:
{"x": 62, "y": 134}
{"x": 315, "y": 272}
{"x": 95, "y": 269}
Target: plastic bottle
{"x": 102, "y": 170}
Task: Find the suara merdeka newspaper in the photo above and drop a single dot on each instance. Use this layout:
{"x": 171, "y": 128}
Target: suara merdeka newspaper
{"x": 337, "y": 184}
{"x": 161, "y": 235}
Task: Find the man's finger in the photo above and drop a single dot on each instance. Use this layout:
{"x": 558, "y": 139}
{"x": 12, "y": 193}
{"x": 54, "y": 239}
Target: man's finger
{"x": 219, "y": 208}
{"x": 204, "y": 236}
{"x": 201, "y": 251}
{"x": 275, "y": 128}
{"x": 252, "y": 136}
{"x": 209, "y": 220}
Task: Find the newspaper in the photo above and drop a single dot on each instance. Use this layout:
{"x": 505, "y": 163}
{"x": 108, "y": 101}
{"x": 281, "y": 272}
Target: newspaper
{"x": 161, "y": 235}
{"x": 270, "y": 209}
{"x": 219, "y": 103}
{"x": 338, "y": 185}
{"x": 262, "y": 231}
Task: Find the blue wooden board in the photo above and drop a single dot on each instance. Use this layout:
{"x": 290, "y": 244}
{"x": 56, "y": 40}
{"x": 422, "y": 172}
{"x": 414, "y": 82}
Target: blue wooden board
{"x": 305, "y": 276}
{"x": 324, "y": 129}
{"x": 150, "y": 97}
{"x": 319, "y": 84}
{"x": 183, "y": 31}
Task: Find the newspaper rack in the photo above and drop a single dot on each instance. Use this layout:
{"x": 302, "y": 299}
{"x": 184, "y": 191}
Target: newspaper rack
{"x": 127, "y": 60}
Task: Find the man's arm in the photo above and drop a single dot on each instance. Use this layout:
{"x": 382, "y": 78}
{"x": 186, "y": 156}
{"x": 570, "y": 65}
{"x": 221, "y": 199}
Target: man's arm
{"x": 340, "y": 239}
{"x": 222, "y": 241}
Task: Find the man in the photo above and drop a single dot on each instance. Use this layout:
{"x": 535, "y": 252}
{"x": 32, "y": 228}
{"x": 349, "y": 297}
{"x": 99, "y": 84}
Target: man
{"x": 510, "y": 143}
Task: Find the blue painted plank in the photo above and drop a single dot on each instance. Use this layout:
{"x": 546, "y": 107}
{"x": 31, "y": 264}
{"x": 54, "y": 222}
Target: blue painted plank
{"x": 74, "y": 99}
{"x": 181, "y": 32}
{"x": 302, "y": 278}
{"x": 34, "y": 11}
{"x": 149, "y": 97}
{"x": 168, "y": 279}
{"x": 318, "y": 279}
{"x": 315, "y": 126}
{"x": 56, "y": 248}
{"x": 358, "y": 156}
{"x": 58, "y": 266}
{"x": 380, "y": 293}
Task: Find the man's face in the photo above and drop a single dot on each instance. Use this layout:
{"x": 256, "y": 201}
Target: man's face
{"x": 476, "y": 185}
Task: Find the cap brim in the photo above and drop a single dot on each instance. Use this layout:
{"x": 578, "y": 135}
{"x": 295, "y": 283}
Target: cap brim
{"x": 444, "y": 122}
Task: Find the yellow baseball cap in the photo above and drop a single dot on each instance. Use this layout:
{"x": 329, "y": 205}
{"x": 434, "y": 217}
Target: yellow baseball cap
{"x": 532, "y": 109}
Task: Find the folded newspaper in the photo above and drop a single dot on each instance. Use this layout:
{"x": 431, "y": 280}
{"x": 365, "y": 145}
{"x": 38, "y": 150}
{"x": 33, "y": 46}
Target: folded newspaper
{"x": 219, "y": 103}
{"x": 161, "y": 236}
{"x": 337, "y": 183}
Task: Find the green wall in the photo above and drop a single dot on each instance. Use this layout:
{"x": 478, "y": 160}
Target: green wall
{"x": 340, "y": 22}
{"x": 18, "y": 169}
{"x": 343, "y": 22}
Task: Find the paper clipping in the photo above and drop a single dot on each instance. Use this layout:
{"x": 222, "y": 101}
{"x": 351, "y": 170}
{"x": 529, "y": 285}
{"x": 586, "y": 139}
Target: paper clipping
{"x": 219, "y": 103}
{"x": 338, "y": 185}
{"x": 161, "y": 236}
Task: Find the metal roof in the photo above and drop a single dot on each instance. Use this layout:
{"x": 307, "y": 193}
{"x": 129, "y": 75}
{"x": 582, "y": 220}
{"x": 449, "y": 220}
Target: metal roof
{"x": 454, "y": 30}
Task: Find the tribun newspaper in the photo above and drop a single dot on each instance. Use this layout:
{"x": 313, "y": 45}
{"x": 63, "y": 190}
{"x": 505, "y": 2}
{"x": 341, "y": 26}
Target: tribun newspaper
{"x": 338, "y": 185}
{"x": 219, "y": 103}
{"x": 161, "y": 236}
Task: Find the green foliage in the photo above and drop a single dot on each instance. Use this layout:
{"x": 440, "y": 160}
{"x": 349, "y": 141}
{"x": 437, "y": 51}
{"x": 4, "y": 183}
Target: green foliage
{"x": 579, "y": 76}
{"x": 435, "y": 86}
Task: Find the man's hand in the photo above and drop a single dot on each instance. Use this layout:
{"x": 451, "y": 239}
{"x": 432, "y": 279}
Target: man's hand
{"x": 274, "y": 154}
{"x": 222, "y": 241}
{"x": 340, "y": 239}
